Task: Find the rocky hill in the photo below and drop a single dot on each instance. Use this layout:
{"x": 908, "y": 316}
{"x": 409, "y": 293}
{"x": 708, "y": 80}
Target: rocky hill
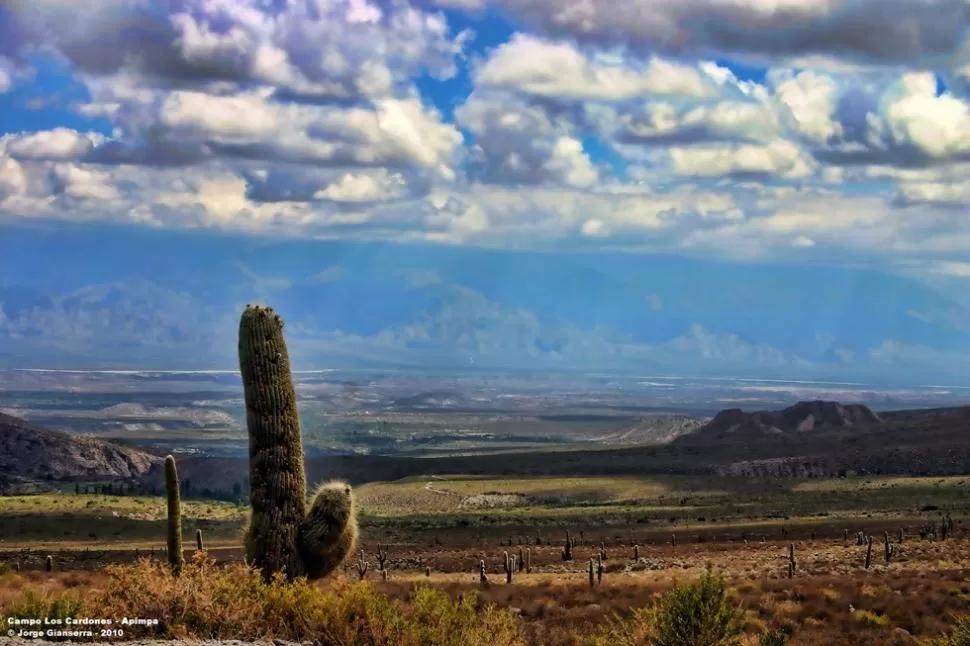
{"x": 31, "y": 457}
{"x": 805, "y": 416}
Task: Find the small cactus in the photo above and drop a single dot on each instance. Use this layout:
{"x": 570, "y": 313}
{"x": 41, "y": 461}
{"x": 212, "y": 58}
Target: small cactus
{"x": 636, "y": 553}
{"x": 592, "y": 582}
{"x": 900, "y": 538}
{"x": 381, "y": 555}
{"x": 567, "y": 549}
{"x": 673, "y": 540}
{"x": 869, "y": 552}
{"x": 528, "y": 561}
{"x": 509, "y": 567}
{"x": 520, "y": 562}
{"x": 791, "y": 560}
{"x": 482, "y": 577}
{"x": 198, "y": 541}
{"x": 888, "y": 549}
{"x": 427, "y": 572}
{"x": 174, "y": 544}
{"x": 361, "y": 566}
{"x": 49, "y": 563}
{"x": 599, "y": 571}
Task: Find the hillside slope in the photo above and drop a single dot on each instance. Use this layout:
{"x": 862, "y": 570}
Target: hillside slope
{"x": 31, "y": 455}
{"x": 805, "y": 416}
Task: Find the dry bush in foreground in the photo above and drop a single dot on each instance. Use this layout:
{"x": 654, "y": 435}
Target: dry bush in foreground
{"x": 208, "y": 602}
{"x": 234, "y": 602}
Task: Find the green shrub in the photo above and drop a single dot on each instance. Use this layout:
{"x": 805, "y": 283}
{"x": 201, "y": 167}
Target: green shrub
{"x": 959, "y": 636}
{"x": 773, "y": 637}
{"x": 701, "y": 614}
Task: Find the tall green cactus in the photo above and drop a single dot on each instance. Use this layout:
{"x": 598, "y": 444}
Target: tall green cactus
{"x": 282, "y": 534}
{"x": 175, "y": 556}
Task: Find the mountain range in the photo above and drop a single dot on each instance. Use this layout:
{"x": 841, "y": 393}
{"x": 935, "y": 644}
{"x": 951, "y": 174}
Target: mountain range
{"x": 92, "y": 297}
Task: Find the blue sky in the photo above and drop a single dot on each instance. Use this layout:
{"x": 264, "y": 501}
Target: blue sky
{"x": 816, "y": 133}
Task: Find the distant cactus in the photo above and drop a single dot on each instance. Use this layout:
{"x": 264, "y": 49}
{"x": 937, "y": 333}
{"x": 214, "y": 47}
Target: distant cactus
{"x": 599, "y": 570}
{"x": 791, "y": 560}
{"x": 869, "y": 552}
{"x": 528, "y": 561}
{"x": 49, "y": 563}
{"x": 509, "y": 567}
{"x": 888, "y": 549}
{"x": 673, "y": 540}
{"x": 592, "y": 582}
{"x": 282, "y": 535}
{"x": 174, "y": 543}
{"x": 845, "y": 537}
{"x": 361, "y": 566}
{"x": 427, "y": 572}
{"x": 946, "y": 526}
{"x": 900, "y": 538}
{"x": 567, "y": 549}
{"x": 482, "y": 577}
{"x": 381, "y": 555}
{"x": 520, "y": 562}
{"x": 636, "y": 552}
{"x": 199, "y": 546}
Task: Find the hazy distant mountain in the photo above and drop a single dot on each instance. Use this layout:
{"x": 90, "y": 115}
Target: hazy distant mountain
{"x": 101, "y": 297}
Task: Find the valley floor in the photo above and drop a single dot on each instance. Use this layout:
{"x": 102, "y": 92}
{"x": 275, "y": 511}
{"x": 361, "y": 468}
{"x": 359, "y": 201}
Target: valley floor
{"x": 653, "y": 532}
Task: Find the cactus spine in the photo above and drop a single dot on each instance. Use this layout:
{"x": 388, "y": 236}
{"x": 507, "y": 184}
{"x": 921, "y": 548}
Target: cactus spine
{"x": 174, "y": 543}
{"x": 282, "y": 535}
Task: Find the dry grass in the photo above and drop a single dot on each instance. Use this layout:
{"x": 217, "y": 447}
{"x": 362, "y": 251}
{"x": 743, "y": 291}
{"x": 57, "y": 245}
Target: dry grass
{"x": 99, "y": 507}
{"x": 548, "y": 608}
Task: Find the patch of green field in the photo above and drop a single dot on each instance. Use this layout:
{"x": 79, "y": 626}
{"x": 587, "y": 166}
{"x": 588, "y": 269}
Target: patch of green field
{"x": 870, "y": 483}
{"x": 133, "y": 507}
{"x": 658, "y": 499}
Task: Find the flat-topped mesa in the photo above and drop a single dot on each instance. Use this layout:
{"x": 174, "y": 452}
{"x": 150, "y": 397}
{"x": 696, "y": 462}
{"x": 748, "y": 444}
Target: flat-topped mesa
{"x": 282, "y": 535}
